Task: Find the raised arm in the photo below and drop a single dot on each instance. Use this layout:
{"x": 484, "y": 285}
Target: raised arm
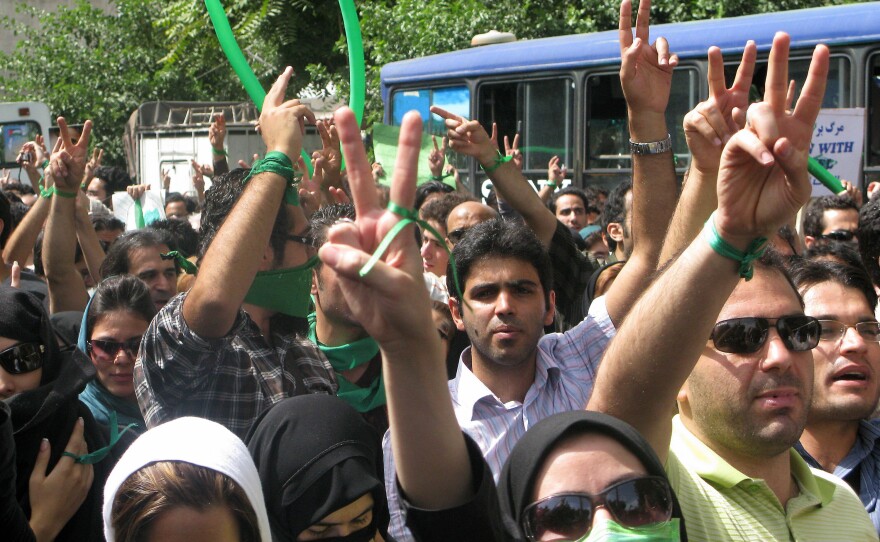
{"x": 93, "y": 252}
{"x": 762, "y": 180}
{"x": 240, "y": 246}
{"x": 471, "y": 139}
{"x": 67, "y": 292}
{"x": 216, "y": 136}
{"x": 646, "y": 78}
{"x": 707, "y": 128}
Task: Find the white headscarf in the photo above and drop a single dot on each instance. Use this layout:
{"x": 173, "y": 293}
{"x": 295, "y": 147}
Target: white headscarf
{"x": 199, "y": 442}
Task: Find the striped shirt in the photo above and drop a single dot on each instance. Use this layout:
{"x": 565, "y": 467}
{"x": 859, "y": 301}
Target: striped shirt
{"x": 566, "y": 368}
{"x": 230, "y": 380}
{"x": 721, "y": 503}
{"x": 864, "y": 457}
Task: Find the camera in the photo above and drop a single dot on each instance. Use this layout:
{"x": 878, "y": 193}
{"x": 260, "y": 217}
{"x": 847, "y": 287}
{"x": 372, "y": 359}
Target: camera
{"x": 25, "y": 156}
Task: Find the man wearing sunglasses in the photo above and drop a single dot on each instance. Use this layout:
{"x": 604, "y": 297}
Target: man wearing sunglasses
{"x": 840, "y": 436}
{"x": 726, "y": 337}
{"x": 831, "y": 218}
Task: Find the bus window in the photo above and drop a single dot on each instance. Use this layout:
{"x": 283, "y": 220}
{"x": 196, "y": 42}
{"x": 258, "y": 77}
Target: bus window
{"x": 837, "y": 90}
{"x": 608, "y": 134}
{"x": 540, "y": 111}
{"x": 13, "y": 135}
{"x": 454, "y": 99}
{"x": 873, "y": 110}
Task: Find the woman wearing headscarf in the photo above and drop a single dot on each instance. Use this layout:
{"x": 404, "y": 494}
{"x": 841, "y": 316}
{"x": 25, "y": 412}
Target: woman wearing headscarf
{"x": 586, "y": 476}
{"x": 52, "y": 430}
{"x": 189, "y": 480}
{"x": 321, "y": 468}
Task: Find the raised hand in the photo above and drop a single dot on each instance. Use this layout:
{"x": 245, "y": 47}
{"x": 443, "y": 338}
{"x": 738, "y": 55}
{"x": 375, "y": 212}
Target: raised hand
{"x": 282, "y": 123}
{"x": 851, "y": 190}
{"x": 468, "y": 136}
{"x": 68, "y": 165}
{"x": 198, "y": 176}
{"x": 712, "y": 122}
{"x": 391, "y": 300}
{"x": 330, "y": 153}
{"x": 437, "y": 157}
{"x": 763, "y": 180}
{"x": 513, "y": 150}
{"x": 245, "y": 165}
{"x": 645, "y": 70}
{"x": 555, "y": 172}
{"x": 217, "y": 132}
{"x": 93, "y": 164}
{"x": 137, "y": 190}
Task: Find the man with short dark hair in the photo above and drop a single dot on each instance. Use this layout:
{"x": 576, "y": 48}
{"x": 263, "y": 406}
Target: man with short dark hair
{"x": 106, "y": 181}
{"x": 572, "y": 207}
{"x": 831, "y": 217}
{"x": 177, "y": 207}
{"x": 139, "y": 253}
{"x": 616, "y": 222}
{"x": 840, "y": 436}
{"x": 869, "y": 240}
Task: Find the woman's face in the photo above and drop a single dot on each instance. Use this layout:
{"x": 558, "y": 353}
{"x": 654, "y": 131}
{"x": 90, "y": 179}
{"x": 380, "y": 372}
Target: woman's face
{"x": 586, "y": 463}
{"x": 185, "y": 524}
{"x": 343, "y": 522}
{"x": 12, "y": 384}
{"x": 115, "y": 369}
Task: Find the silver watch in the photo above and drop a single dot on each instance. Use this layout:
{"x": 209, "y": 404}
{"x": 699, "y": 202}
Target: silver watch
{"x": 654, "y": 147}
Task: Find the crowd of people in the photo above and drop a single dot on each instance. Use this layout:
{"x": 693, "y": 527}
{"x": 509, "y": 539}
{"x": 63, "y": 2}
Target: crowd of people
{"x": 356, "y": 355}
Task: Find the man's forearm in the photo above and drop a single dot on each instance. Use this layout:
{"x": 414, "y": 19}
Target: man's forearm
{"x": 20, "y": 244}
{"x": 513, "y": 188}
{"x": 697, "y": 202}
{"x": 66, "y": 289}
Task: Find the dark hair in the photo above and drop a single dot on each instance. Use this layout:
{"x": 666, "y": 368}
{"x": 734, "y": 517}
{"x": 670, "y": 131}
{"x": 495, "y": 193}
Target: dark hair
{"x": 159, "y": 487}
{"x": 6, "y": 217}
{"x": 814, "y": 214}
{"x": 120, "y": 293}
{"x": 808, "y": 273}
{"x": 325, "y": 217}
{"x": 115, "y": 179}
{"x": 105, "y": 223}
{"x": 182, "y": 234}
{"x": 615, "y": 211}
{"x": 438, "y": 209}
{"x": 869, "y": 238}
{"x": 21, "y": 188}
{"x": 18, "y": 210}
{"x": 499, "y": 239}
{"x": 219, "y": 201}
{"x": 12, "y": 197}
{"x": 845, "y": 253}
{"x": 116, "y": 262}
{"x": 177, "y": 197}
{"x": 426, "y": 189}
{"x": 570, "y": 191}
{"x": 39, "y": 270}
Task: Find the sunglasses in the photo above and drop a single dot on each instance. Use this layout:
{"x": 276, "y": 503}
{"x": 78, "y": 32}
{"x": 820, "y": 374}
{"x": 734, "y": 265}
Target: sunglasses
{"x": 839, "y": 235}
{"x": 110, "y": 349}
{"x": 455, "y": 235}
{"x": 799, "y": 333}
{"x": 832, "y": 330}
{"x": 303, "y": 240}
{"x": 22, "y": 358}
{"x": 638, "y": 502}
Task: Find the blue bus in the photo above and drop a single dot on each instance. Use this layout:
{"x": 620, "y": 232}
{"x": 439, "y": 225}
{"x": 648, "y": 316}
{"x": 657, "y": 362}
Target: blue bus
{"x": 563, "y": 94}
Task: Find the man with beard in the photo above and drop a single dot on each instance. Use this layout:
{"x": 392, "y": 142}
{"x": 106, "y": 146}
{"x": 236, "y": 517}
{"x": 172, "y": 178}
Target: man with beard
{"x": 840, "y": 437}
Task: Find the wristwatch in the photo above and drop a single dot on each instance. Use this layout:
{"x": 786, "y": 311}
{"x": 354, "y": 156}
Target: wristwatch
{"x": 654, "y": 147}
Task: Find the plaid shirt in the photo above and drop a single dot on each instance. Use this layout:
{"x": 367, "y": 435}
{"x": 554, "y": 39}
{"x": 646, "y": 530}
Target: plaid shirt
{"x": 230, "y": 380}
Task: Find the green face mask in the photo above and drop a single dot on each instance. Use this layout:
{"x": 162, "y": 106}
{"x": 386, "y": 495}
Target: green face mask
{"x": 284, "y": 290}
{"x": 610, "y": 531}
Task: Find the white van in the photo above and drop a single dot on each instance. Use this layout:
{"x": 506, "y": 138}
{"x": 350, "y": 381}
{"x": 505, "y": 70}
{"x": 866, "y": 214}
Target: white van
{"x": 21, "y": 122}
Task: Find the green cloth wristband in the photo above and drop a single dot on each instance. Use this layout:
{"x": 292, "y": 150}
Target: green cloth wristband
{"x": 47, "y": 193}
{"x": 221, "y": 152}
{"x": 499, "y": 159}
{"x": 409, "y": 216}
{"x": 280, "y": 164}
{"x": 746, "y": 260}
{"x": 552, "y": 184}
{"x": 181, "y": 261}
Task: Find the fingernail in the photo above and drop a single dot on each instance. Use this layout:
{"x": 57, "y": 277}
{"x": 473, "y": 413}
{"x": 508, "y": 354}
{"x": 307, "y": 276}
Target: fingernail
{"x": 716, "y": 142}
{"x": 766, "y": 158}
{"x": 44, "y": 444}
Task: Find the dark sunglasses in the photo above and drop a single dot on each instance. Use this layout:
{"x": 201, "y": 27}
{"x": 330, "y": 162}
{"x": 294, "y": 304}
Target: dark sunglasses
{"x": 799, "y": 333}
{"x": 22, "y": 358}
{"x": 633, "y": 503}
{"x": 839, "y": 235}
{"x": 455, "y": 235}
{"x": 110, "y": 349}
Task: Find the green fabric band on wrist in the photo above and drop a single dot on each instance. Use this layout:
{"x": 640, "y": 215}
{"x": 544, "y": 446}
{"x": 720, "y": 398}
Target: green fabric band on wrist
{"x": 280, "y": 164}
{"x": 48, "y": 192}
{"x": 499, "y": 160}
{"x": 552, "y": 184}
{"x": 221, "y": 152}
{"x": 746, "y": 260}
{"x": 181, "y": 261}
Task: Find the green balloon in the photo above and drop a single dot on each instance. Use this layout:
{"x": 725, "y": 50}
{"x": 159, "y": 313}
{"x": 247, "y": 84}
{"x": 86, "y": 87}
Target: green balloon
{"x": 824, "y": 176}
{"x": 356, "y": 70}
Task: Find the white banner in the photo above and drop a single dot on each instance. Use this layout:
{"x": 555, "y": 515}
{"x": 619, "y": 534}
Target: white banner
{"x": 838, "y": 138}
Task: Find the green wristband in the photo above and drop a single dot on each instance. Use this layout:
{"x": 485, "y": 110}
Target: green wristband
{"x": 552, "y": 184}
{"x": 499, "y": 160}
{"x": 746, "y": 260}
{"x": 48, "y": 192}
{"x": 280, "y": 164}
{"x": 221, "y": 152}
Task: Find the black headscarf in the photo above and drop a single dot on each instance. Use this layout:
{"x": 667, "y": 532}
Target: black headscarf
{"x": 517, "y": 482}
{"x": 315, "y": 454}
{"x": 23, "y": 318}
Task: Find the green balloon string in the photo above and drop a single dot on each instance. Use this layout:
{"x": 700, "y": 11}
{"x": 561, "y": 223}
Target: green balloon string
{"x": 239, "y": 63}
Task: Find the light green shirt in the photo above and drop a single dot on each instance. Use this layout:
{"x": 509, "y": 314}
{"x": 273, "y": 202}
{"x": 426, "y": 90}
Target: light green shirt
{"x": 721, "y": 503}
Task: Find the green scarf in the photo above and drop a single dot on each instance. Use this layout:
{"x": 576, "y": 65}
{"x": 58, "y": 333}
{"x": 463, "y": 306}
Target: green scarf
{"x": 347, "y": 357}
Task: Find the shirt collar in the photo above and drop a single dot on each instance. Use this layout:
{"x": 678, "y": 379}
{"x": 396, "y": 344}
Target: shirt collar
{"x": 467, "y": 389}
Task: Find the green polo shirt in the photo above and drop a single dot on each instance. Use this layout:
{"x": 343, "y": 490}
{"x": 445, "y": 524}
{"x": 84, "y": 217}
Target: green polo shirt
{"x": 721, "y": 503}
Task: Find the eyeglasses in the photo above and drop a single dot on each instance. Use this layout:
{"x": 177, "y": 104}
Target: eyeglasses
{"x": 839, "y": 235}
{"x": 303, "y": 240}
{"x": 633, "y": 503}
{"x": 455, "y": 235}
{"x": 22, "y": 358}
{"x": 110, "y": 349}
{"x": 747, "y": 335}
{"x": 832, "y": 330}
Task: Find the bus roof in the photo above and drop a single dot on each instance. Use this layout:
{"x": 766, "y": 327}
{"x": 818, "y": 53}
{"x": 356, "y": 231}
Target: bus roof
{"x": 852, "y": 23}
